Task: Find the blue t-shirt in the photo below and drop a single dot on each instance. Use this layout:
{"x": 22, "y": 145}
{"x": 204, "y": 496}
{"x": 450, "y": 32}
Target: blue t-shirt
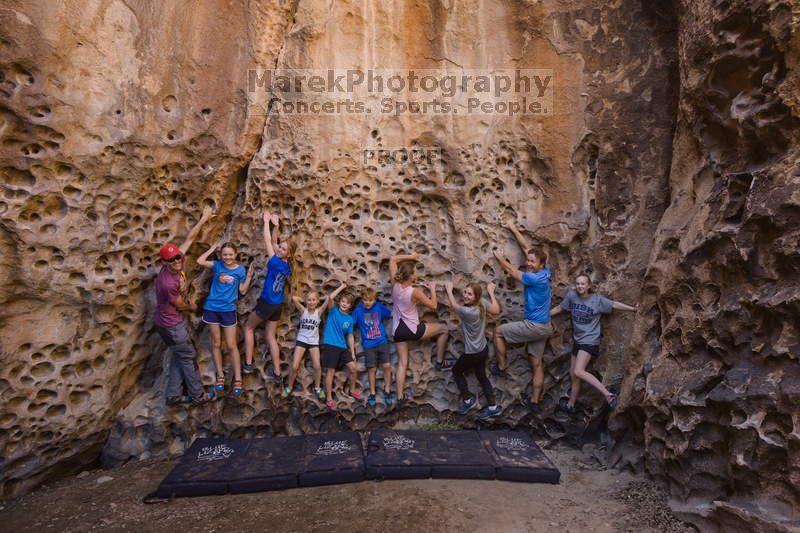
{"x": 278, "y": 271}
{"x": 537, "y": 296}
{"x": 224, "y": 287}
{"x": 337, "y": 326}
{"x": 370, "y": 322}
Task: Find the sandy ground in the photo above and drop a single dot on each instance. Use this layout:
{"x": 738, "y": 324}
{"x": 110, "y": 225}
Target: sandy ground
{"x": 589, "y": 498}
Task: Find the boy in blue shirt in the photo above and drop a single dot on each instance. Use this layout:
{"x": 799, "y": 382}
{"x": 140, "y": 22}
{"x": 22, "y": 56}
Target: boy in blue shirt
{"x": 338, "y": 347}
{"x": 535, "y": 328}
{"x": 369, "y": 316}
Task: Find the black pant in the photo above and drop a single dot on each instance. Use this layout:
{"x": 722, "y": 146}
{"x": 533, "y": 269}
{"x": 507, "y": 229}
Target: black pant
{"x": 475, "y": 362}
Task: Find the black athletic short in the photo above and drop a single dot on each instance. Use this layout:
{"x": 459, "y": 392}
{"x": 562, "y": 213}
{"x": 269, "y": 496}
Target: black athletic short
{"x": 591, "y": 349}
{"x": 267, "y": 311}
{"x": 403, "y": 333}
{"x": 335, "y": 357}
{"x": 305, "y": 345}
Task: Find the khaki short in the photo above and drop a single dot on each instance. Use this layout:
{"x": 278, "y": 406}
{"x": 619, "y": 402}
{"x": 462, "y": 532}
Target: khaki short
{"x": 527, "y": 332}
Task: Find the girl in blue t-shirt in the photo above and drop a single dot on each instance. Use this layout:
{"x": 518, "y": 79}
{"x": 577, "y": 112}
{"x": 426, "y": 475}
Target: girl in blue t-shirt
{"x": 270, "y": 303}
{"x": 229, "y": 279}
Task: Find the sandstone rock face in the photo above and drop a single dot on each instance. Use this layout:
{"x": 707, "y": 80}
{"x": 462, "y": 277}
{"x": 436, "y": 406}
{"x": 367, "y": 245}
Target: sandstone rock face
{"x": 712, "y": 389}
{"x": 667, "y": 169}
{"x": 118, "y": 124}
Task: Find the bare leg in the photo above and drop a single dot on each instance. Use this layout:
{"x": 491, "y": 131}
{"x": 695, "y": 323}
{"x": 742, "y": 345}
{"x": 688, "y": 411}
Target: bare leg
{"x": 438, "y": 330}
{"x": 317, "y": 368}
{"x": 580, "y": 371}
{"x": 537, "y": 369}
{"x": 387, "y": 377}
{"x": 297, "y": 359}
{"x": 272, "y": 341}
{"x": 216, "y": 340}
{"x": 402, "y": 364}
{"x": 576, "y": 383}
{"x": 253, "y": 321}
{"x": 329, "y": 382}
{"x": 373, "y": 377}
{"x": 351, "y": 366}
{"x": 500, "y": 349}
{"x": 233, "y": 352}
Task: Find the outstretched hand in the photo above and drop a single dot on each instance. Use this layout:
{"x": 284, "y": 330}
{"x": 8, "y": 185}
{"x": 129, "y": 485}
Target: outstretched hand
{"x": 498, "y": 254}
{"x": 448, "y": 285}
{"x": 267, "y": 216}
{"x": 208, "y": 212}
{"x": 275, "y": 219}
{"x": 490, "y": 287}
{"x": 431, "y": 286}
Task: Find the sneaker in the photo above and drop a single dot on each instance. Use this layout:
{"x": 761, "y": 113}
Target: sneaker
{"x": 371, "y": 400}
{"x": 532, "y": 407}
{"x": 331, "y": 405}
{"x": 466, "y": 405}
{"x": 286, "y": 392}
{"x": 275, "y": 377}
{"x": 446, "y": 364}
{"x": 247, "y": 369}
{"x": 320, "y": 392}
{"x": 388, "y": 398}
{"x": 490, "y": 412}
{"x": 357, "y": 395}
{"x": 612, "y": 402}
{"x": 497, "y": 371}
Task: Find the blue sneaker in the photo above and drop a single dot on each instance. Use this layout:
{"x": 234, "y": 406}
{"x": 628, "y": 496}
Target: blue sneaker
{"x": 388, "y": 398}
{"x": 612, "y": 402}
{"x": 247, "y": 369}
{"x": 466, "y": 405}
{"x": 275, "y": 377}
{"x": 371, "y": 400}
{"x": 490, "y": 412}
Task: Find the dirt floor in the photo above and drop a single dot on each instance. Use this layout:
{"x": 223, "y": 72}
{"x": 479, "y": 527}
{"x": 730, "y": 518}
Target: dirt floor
{"x": 589, "y": 498}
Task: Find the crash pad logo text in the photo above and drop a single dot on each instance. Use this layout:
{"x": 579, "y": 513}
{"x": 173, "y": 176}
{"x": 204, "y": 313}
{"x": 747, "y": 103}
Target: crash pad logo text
{"x": 398, "y": 442}
{"x": 512, "y": 443}
{"x": 334, "y": 447}
{"x": 215, "y": 453}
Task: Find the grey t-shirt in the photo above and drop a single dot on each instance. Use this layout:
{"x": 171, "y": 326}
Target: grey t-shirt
{"x": 586, "y": 315}
{"x": 474, "y": 328}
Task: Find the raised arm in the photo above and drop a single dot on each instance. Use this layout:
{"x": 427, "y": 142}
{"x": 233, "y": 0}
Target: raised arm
{"x": 397, "y": 259}
{"x": 431, "y": 303}
{"x": 507, "y": 266}
{"x": 332, "y": 296}
{"x": 448, "y": 287}
{"x": 203, "y": 259}
{"x": 208, "y": 212}
{"x": 268, "y": 236}
{"x": 521, "y": 240}
{"x": 276, "y": 223}
{"x": 244, "y": 287}
{"x": 623, "y": 307}
{"x": 494, "y": 305}
{"x": 298, "y": 303}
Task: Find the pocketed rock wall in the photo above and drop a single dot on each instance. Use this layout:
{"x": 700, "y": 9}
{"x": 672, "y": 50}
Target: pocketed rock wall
{"x": 711, "y": 397}
{"x": 665, "y": 170}
{"x": 120, "y": 121}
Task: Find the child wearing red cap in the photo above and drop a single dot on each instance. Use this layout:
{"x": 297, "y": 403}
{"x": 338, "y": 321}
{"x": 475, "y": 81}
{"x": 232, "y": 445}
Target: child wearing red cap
{"x": 171, "y": 300}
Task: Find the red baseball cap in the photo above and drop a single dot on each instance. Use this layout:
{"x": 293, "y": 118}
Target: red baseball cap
{"x": 168, "y": 251}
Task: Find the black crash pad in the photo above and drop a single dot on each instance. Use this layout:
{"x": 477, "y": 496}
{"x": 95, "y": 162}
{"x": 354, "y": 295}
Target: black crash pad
{"x": 420, "y": 454}
{"x": 332, "y": 458}
{"x": 518, "y": 458}
{"x": 221, "y": 466}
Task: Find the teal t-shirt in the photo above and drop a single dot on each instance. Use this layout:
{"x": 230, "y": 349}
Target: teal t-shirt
{"x": 337, "y": 326}
{"x": 224, "y": 287}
